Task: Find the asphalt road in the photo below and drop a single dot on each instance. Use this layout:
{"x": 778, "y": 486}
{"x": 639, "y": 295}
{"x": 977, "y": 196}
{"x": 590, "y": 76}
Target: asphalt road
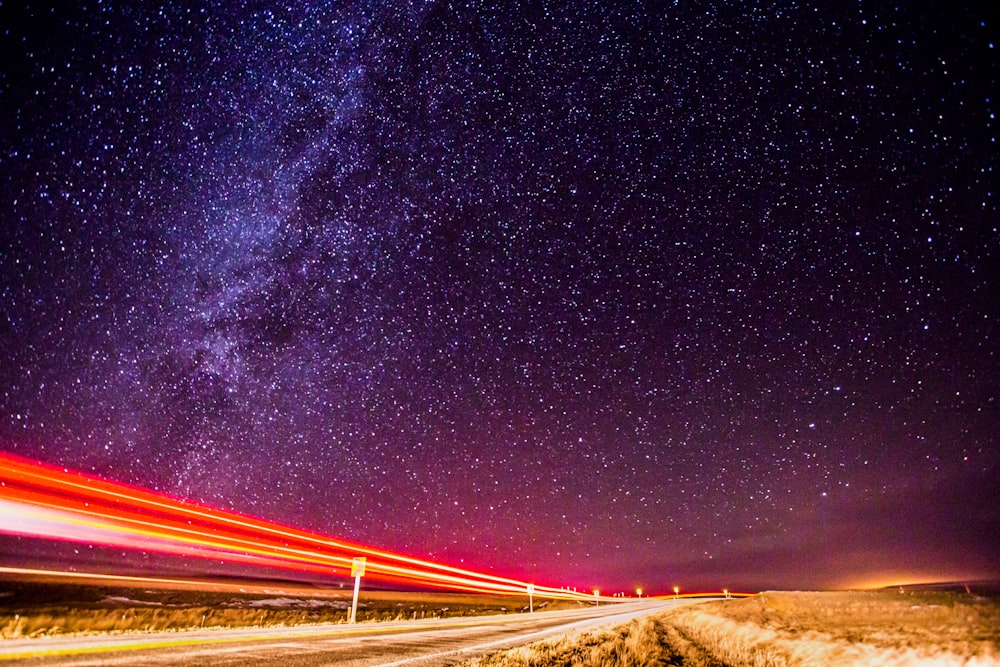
{"x": 410, "y": 643}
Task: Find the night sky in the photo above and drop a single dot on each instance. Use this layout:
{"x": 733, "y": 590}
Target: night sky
{"x": 586, "y": 293}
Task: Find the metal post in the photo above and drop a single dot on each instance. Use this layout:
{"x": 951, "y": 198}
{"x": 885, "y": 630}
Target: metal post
{"x": 531, "y": 600}
{"x": 357, "y": 569}
{"x": 354, "y": 605}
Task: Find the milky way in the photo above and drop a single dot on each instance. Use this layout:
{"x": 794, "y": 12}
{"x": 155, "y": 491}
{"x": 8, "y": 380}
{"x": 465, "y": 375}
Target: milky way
{"x": 572, "y": 292}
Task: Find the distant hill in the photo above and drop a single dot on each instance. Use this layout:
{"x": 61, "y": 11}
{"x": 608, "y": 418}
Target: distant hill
{"x": 988, "y": 587}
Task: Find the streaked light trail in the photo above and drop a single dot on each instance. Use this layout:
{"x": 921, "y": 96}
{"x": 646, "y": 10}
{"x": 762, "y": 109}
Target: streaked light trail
{"x": 45, "y": 501}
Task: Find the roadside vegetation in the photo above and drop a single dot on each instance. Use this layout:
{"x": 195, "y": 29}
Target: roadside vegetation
{"x": 635, "y": 644}
{"x": 33, "y": 609}
{"x": 865, "y": 629}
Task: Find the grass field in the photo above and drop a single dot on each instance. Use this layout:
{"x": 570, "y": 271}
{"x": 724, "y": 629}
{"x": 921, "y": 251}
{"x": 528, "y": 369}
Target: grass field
{"x": 45, "y": 608}
{"x": 789, "y": 629}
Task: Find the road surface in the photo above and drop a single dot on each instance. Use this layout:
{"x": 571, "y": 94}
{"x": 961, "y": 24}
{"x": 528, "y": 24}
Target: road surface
{"x": 410, "y": 643}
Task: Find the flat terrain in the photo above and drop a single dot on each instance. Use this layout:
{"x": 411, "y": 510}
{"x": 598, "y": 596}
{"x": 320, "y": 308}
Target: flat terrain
{"x": 426, "y": 643}
{"x": 784, "y": 629}
{"x": 38, "y": 608}
{"x": 250, "y": 623}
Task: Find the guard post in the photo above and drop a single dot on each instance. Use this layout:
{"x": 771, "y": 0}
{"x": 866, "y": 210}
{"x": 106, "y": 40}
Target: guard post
{"x": 357, "y": 571}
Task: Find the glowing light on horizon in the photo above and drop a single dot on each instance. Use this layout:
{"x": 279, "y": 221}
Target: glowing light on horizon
{"x": 907, "y": 579}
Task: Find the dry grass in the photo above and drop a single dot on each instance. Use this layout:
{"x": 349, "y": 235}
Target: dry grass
{"x": 634, "y": 644}
{"x": 34, "y": 609}
{"x": 138, "y": 619}
{"x": 790, "y": 629}
{"x": 849, "y": 628}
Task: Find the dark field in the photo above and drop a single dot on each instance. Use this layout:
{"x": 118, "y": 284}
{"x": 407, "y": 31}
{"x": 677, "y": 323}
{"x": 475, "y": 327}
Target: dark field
{"x": 35, "y": 608}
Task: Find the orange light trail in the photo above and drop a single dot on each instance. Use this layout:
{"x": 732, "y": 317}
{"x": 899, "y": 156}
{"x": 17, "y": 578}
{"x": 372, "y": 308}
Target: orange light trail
{"x": 45, "y": 501}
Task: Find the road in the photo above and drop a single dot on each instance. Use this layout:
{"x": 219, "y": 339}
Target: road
{"x": 411, "y": 643}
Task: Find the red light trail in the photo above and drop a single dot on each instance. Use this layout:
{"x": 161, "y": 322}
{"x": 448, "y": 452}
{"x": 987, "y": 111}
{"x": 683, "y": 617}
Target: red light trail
{"x": 45, "y": 501}
{"x": 49, "y": 502}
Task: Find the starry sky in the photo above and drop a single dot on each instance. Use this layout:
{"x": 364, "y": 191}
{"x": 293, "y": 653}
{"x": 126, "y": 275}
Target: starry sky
{"x": 586, "y": 293}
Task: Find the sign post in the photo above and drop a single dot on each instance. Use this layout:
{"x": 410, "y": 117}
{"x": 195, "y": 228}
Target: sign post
{"x": 531, "y": 600}
{"x": 357, "y": 571}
